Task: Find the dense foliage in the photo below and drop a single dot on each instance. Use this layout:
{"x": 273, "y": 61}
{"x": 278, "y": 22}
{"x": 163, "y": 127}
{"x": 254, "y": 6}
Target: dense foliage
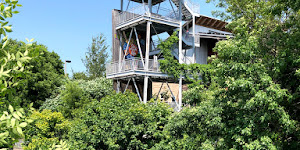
{"x": 44, "y": 75}
{"x": 47, "y": 129}
{"x": 246, "y": 98}
{"x": 76, "y": 93}
{"x": 254, "y": 78}
{"x": 119, "y": 121}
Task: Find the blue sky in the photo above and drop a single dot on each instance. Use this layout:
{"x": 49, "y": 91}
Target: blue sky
{"x": 67, "y": 27}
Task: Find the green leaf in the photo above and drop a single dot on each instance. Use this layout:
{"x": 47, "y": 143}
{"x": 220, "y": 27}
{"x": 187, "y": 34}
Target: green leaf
{"x": 10, "y": 108}
{"x": 23, "y": 124}
{"x": 13, "y": 122}
{"x": 4, "y": 39}
{"x": 2, "y": 7}
{"x": 19, "y": 130}
{"x": 16, "y": 116}
{"x": 5, "y": 43}
{"x": 19, "y": 63}
{"x": 7, "y": 8}
{"x": 7, "y": 28}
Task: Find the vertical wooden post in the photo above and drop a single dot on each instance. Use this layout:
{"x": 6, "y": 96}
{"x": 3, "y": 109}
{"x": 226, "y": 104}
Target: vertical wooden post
{"x": 180, "y": 56}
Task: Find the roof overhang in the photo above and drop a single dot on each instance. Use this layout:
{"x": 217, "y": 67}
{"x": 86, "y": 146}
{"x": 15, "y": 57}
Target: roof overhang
{"x": 209, "y": 22}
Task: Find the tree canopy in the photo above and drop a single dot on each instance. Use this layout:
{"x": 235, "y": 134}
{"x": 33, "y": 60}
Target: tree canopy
{"x": 96, "y": 57}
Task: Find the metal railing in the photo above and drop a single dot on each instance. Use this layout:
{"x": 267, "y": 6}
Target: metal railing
{"x": 188, "y": 37}
{"x": 133, "y": 64}
{"x": 142, "y": 10}
{"x": 193, "y": 6}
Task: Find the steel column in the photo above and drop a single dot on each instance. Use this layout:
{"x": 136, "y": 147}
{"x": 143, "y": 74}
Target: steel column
{"x": 180, "y": 56}
{"x": 148, "y": 39}
{"x": 194, "y": 28}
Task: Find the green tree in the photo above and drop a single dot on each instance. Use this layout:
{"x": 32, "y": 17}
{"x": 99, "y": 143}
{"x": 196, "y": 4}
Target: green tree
{"x": 96, "y": 57}
{"x": 44, "y": 75}
{"x": 12, "y": 66}
{"x": 250, "y": 70}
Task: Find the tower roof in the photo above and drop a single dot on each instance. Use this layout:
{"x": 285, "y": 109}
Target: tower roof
{"x": 154, "y": 2}
{"x": 210, "y": 23}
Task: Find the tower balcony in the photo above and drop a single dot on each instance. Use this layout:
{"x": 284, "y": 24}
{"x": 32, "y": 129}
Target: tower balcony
{"x": 139, "y": 15}
{"x": 133, "y": 67}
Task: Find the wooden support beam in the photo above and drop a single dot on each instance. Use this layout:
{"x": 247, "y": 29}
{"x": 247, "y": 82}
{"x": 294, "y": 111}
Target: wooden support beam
{"x": 209, "y": 21}
{"x": 220, "y": 22}
{"x": 203, "y": 21}
{"x": 198, "y": 20}
{"x": 212, "y": 25}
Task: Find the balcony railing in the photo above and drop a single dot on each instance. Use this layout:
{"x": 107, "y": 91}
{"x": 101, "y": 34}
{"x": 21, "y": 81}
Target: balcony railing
{"x": 131, "y": 65}
{"x": 142, "y": 11}
{"x": 192, "y": 5}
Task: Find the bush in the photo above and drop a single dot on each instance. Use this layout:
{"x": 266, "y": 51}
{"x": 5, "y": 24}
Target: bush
{"x": 97, "y": 88}
{"x": 12, "y": 123}
{"x": 195, "y": 128}
{"x": 119, "y": 121}
{"x": 46, "y": 129}
{"x": 89, "y": 89}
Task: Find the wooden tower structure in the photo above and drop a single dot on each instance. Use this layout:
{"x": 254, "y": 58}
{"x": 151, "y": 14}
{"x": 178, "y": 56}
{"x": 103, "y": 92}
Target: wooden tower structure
{"x": 135, "y": 58}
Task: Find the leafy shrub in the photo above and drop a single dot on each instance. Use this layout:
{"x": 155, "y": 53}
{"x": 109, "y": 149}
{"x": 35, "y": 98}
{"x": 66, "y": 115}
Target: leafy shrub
{"x": 195, "y": 128}
{"x": 74, "y": 90}
{"x": 12, "y": 123}
{"x": 119, "y": 121}
{"x": 54, "y": 101}
{"x": 48, "y": 128}
{"x": 43, "y": 143}
{"x": 97, "y": 88}
{"x": 73, "y": 97}
{"x": 196, "y": 95}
